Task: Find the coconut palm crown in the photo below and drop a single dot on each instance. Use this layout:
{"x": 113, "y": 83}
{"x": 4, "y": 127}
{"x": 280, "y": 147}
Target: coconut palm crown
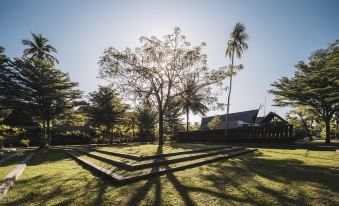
{"x": 39, "y": 48}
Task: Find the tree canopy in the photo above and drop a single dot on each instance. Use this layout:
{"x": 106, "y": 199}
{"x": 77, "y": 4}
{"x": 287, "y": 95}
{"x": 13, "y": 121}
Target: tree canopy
{"x": 33, "y": 84}
{"x": 315, "y": 84}
{"x": 105, "y": 108}
{"x": 157, "y": 70}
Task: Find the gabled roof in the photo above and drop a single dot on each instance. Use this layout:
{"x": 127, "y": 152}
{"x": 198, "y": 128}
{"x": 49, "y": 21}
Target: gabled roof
{"x": 271, "y": 116}
{"x": 246, "y": 116}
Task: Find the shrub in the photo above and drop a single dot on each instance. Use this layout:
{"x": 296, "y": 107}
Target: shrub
{"x": 25, "y": 142}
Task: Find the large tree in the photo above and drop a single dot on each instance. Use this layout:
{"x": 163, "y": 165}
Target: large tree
{"x": 33, "y": 84}
{"x": 157, "y": 70}
{"x": 314, "y": 84}
{"x": 105, "y": 109}
{"x": 235, "y": 46}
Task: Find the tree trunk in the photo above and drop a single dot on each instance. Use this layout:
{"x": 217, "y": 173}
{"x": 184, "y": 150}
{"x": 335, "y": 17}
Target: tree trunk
{"x": 111, "y": 133}
{"x": 133, "y": 127}
{"x": 305, "y": 126}
{"x": 161, "y": 127}
{"x": 49, "y": 132}
{"x": 187, "y": 119}
{"x": 229, "y": 97}
{"x": 43, "y": 141}
{"x": 328, "y": 130}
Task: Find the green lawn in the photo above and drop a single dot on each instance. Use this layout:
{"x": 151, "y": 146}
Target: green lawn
{"x": 267, "y": 177}
{"x": 9, "y": 166}
{"x": 151, "y": 149}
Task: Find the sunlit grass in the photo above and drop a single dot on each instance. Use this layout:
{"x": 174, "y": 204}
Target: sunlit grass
{"x": 9, "y": 166}
{"x": 268, "y": 177}
{"x": 151, "y": 149}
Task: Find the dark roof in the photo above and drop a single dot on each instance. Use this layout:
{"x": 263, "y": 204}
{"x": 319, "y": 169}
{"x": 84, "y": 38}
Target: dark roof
{"x": 246, "y": 116}
{"x": 271, "y": 116}
{"x": 259, "y": 119}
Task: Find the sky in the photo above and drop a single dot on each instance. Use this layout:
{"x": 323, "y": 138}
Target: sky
{"x": 282, "y": 32}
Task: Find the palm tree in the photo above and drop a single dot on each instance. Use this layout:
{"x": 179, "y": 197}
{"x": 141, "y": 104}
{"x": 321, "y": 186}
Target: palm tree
{"x": 237, "y": 44}
{"x": 38, "y": 48}
{"x": 193, "y": 100}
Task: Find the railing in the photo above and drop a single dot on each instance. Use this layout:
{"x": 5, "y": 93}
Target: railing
{"x": 267, "y": 133}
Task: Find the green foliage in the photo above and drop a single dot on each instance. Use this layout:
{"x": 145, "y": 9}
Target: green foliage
{"x": 25, "y": 142}
{"x": 334, "y": 130}
{"x": 33, "y": 84}
{"x": 130, "y": 122}
{"x": 38, "y": 48}
{"x": 72, "y": 117}
{"x": 237, "y": 44}
{"x": 7, "y": 131}
{"x": 172, "y": 116}
{"x": 105, "y": 110}
{"x": 302, "y": 117}
{"x": 195, "y": 126}
{"x": 147, "y": 119}
{"x": 214, "y": 123}
{"x": 195, "y": 98}
{"x": 99, "y": 135}
{"x": 315, "y": 85}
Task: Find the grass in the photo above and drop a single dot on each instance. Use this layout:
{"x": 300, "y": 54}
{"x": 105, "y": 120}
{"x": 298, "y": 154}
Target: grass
{"x": 9, "y": 166}
{"x": 317, "y": 141}
{"x": 268, "y": 177}
{"x": 151, "y": 149}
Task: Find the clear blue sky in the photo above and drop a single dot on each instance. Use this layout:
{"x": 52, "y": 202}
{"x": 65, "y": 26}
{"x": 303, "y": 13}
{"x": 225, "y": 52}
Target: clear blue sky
{"x": 281, "y": 33}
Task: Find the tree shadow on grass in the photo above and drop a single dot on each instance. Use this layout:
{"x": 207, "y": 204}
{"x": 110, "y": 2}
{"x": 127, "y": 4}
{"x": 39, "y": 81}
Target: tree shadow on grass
{"x": 188, "y": 146}
{"x": 290, "y": 173}
{"x": 57, "y": 190}
{"x": 181, "y": 189}
{"x": 47, "y": 156}
{"x": 143, "y": 190}
{"x": 302, "y": 155}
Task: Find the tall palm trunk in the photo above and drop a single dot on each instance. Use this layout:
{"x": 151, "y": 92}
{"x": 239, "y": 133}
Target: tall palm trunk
{"x": 229, "y": 97}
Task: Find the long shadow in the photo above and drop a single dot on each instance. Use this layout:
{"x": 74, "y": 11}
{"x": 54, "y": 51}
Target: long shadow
{"x": 285, "y": 171}
{"x": 319, "y": 158}
{"x": 142, "y": 191}
{"x": 43, "y": 156}
{"x": 193, "y": 146}
{"x": 178, "y": 186}
{"x": 182, "y": 190}
{"x": 56, "y": 188}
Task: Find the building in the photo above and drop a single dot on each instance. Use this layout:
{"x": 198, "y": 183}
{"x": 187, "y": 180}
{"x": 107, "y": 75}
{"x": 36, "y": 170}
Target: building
{"x": 241, "y": 119}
